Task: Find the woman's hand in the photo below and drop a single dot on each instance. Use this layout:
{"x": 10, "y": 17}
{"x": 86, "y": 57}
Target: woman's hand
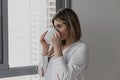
{"x": 45, "y": 46}
{"x": 56, "y": 42}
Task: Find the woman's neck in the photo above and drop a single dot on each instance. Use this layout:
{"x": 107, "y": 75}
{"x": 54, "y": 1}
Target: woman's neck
{"x": 65, "y": 46}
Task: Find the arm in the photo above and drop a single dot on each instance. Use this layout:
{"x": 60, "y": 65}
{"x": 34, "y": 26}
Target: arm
{"x": 75, "y": 68}
{"x": 43, "y": 56}
{"x": 42, "y": 65}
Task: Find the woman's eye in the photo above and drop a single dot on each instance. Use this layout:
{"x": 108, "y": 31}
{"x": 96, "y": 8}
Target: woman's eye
{"x": 59, "y": 26}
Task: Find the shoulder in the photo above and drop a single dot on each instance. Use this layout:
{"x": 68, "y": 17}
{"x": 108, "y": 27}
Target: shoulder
{"x": 78, "y": 47}
{"x": 77, "y": 51}
{"x": 80, "y": 50}
{"x": 79, "y": 44}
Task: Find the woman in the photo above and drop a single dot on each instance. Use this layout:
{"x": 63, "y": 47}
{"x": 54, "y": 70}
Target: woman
{"x": 68, "y": 57}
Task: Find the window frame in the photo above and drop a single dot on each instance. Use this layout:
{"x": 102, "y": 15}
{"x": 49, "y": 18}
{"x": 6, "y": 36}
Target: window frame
{"x": 5, "y": 71}
{"x": 4, "y": 35}
{"x": 63, "y": 4}
{"x": 0, "y": 36}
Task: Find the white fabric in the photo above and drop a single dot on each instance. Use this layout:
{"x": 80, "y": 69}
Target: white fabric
{"x": 71, "y": 66}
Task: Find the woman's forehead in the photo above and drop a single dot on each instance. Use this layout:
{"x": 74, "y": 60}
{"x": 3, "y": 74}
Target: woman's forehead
{"x": 56, "y": 22}
{"x": 59, "y": 20}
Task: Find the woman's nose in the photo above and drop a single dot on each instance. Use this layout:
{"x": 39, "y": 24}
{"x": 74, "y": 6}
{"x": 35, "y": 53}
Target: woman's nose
{"x": 57, "y": 29}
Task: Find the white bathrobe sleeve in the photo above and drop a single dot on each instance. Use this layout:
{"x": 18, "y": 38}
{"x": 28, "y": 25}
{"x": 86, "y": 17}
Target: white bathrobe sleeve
{"x": 42, "y": 64}
{"x": 76, "y": 67}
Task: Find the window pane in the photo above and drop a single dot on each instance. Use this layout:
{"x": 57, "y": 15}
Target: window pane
{"x": 28, "y": 77}
{"x": 27, "y": 20}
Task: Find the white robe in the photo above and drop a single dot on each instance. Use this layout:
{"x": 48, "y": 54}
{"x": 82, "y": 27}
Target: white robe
{"x": 71, "y": 66}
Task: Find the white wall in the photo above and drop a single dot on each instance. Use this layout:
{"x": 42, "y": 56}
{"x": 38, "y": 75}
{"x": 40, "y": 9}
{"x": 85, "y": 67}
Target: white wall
{"x": 100, "y": 22}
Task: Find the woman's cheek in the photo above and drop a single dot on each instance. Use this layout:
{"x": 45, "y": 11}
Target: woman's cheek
{"x": 63, "y": 36}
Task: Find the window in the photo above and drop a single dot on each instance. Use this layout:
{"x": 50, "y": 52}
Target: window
{"x": 21, "y": 24}
{"x": 0, "y": 37}
{"x": 3, "y": 35}
{"x": 26, "y": 77}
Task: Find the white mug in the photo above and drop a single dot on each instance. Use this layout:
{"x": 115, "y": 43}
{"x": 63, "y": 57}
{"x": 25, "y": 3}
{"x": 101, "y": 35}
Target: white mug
{"x": 49, "y": 34}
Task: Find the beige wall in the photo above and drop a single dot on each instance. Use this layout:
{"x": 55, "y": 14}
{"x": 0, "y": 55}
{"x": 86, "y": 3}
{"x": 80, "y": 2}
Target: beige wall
{"x": 100, "y": 22}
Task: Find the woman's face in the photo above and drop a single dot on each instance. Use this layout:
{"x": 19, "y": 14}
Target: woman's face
{"x": 62, "y": 29}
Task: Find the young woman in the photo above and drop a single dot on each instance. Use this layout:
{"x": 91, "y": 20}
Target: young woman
{"x": 68, "y": 57}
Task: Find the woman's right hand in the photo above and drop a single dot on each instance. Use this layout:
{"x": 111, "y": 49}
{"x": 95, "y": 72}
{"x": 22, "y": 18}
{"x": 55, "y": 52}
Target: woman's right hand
{"x": 45, "y": 45}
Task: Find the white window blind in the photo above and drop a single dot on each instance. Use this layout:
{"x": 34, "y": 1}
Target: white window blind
{"x": 51, "y": 10}
{"x": 40, "y": 20}
{"x": 41, "y": 16}
{"x": 26, "y": 24}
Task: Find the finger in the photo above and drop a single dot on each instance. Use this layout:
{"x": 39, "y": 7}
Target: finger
{"x": 58, "y": 34}
{"x": 53, "y": 36}
{"x": 42, "y": 36}
{"x": 44, "y": 33}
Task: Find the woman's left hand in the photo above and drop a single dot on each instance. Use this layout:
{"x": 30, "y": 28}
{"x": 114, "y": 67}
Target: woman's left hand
{"x": 56, "y": 42}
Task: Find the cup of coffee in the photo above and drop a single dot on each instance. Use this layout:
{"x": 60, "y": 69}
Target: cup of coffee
{"x": 49, "y": 34}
